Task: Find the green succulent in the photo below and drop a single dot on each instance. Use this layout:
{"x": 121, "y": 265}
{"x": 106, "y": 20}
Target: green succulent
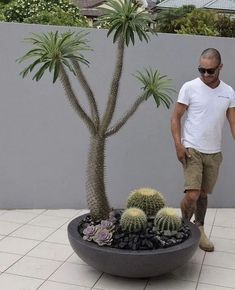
{"x": 133, "y": 220}
{"x": 61, "y": 54}
{"x": 167, "y": 220}
{"x": 156, "y": 85}
{"x": 54, "y": 52}
{"x": 147, "y": 199}
{"x": 126, "y": 20}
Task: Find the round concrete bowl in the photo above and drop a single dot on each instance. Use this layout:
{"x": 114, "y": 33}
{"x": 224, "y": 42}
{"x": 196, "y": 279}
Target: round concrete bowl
{"x": 132, "y": 264}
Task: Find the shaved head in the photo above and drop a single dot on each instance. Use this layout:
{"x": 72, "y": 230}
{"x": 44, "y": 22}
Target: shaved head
{"x": 210, "y": 64}
{"x": 211, "y": 53}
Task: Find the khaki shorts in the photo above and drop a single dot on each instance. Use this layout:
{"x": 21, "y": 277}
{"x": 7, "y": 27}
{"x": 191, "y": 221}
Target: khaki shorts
{"x": 201, "y": 170}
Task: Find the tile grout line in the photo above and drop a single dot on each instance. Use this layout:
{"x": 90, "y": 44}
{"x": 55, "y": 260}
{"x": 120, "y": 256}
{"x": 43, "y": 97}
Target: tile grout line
{"x": 205, "y": 252}
{"x": 20, "y": 225}
{"x": 213, "y": 223}
{"x": 97, "y": 280}
{"x": 39, "y": 242}
{"x": 219, "y": 267}
{"x": 22, "y": 256}
{"x": 147, "y": 282}
{"x": 18, "y": 275}
{"x": 63, "y": 283}
{"x": 218, "y": 285}
{"x": 27, "y": 223}
{"x": 62, "y": 263}
{"x": 47, "y": 279}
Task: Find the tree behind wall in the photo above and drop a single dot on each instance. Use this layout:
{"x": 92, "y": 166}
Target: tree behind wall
{"x": 54, "y": 12}
{"x": 166, "y": 20}
{"x": 198, "y": 22}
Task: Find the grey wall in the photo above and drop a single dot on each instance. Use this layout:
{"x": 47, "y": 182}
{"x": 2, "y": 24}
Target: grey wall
{"x": 43, "y": 144}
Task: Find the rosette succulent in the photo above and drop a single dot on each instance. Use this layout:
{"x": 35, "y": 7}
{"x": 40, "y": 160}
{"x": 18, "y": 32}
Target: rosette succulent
{"x": 167, "y": 220}
{"x": 107, "y": 224}
{"x": 133, "y": 220}
{"x": 147, "y": 199}
{"x": 103, "y": 237}
{"x": 101, "y": 233}
{"x": 89, "y": 233}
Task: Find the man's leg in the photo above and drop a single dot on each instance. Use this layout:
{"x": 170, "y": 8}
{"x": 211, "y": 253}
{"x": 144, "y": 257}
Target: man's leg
{"x": 193, "y": 182}
{"x": 189, "y": 203}
{"x": 211, "y": 164}
{"x": 200, "y": 213}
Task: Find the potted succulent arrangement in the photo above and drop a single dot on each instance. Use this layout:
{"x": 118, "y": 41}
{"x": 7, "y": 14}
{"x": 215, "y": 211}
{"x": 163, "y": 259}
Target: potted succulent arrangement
{"x": 147, "y": 238}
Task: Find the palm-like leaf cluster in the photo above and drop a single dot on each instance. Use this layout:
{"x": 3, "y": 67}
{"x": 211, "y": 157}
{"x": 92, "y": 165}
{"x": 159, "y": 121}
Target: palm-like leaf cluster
{"x": 51, "y": 50}
{"x": 125, "y": 19}
{"x": 157, "y": 86}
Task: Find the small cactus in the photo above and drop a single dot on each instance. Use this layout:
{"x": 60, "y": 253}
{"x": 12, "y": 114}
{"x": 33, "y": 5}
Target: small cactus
{"x": 167, "y": 220}
{"x": 133, "y": 220}
{"x": 147, "y": 199}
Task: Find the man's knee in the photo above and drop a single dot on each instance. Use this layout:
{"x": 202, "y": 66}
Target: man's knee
{"x": 192, "y": 195}
{"x": 189, "y": 203}
{"x": 203, "y": 194}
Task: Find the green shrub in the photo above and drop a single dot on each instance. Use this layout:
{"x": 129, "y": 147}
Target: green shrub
{"x": 225, "y": 25}
{"x": 27, "y": 10}
{"x": 2, "y": 17}
{"x": 2, "y": 6}
{"x": 5, "y": 2}
{"x": 57, "y": 17}
{"x": 189, "y": 20}
{"x": 199, "y": 22}
{"x": 166, "y": 20}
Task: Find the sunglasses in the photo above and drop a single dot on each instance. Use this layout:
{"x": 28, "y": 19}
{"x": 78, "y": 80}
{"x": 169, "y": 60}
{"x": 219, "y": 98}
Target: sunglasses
{"x": 210, "y": 71}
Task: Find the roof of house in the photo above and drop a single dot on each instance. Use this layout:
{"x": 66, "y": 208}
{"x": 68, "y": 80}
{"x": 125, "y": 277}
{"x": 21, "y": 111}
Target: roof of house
{"x": 90, "y": 7}
{"x": 226, "y": 5}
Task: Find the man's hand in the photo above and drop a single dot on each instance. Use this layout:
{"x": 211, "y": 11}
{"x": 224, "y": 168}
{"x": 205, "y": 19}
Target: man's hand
{"x": 182, "y": 153}
{"x": 231, "y": 119}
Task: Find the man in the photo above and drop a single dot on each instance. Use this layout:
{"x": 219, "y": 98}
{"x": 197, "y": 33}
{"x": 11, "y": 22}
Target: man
{"x": 207, "y": 101}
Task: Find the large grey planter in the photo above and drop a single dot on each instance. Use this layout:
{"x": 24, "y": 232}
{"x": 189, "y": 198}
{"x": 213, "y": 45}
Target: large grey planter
{"x": 132, "y": 264}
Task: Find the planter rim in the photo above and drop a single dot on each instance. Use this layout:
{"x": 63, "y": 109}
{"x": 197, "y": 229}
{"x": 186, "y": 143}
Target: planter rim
{"x": 74, "y": 234}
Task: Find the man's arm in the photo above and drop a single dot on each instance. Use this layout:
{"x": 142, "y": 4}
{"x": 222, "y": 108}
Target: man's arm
{"x": 181, "y": 151}
{"x": 231, "y": 120}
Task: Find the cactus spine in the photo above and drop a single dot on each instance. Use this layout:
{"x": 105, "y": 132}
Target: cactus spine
{"x": 167, "y": 220}
{"x": 133, "y": 220}
{"x": 147, "y": 199}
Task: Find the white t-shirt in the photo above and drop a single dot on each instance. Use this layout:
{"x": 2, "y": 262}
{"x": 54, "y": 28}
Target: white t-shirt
{"x": 206, "y": 114}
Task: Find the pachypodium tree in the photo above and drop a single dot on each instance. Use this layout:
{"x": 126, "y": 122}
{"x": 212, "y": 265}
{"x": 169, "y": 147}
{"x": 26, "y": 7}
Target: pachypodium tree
{"x": 62, "y": 53}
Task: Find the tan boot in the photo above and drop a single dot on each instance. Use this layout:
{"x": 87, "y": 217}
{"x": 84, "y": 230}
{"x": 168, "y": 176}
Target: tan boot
{"x": 205, "y": 244}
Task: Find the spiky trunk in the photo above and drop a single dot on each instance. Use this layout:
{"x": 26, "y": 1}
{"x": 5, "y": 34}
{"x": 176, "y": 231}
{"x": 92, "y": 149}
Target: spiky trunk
{"x": 95, "y": 186}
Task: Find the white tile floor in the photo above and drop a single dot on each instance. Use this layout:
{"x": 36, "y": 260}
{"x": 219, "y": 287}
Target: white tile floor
{"x": 35, "y": 254}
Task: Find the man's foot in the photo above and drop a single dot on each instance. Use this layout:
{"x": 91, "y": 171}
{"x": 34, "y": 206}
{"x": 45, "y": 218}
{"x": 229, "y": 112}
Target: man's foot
{"x": 205, "y": 244}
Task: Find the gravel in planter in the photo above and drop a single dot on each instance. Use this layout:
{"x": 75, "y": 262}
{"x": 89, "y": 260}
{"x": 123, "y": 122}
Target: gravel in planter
{"x": 147, "y": 239}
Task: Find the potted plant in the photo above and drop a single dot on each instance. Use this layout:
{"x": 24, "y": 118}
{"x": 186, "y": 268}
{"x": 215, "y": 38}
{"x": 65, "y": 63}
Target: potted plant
{"x": 62, "y": 53}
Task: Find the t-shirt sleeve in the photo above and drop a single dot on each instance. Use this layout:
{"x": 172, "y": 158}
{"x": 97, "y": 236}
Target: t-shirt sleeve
{"x": 184, "y": 96}
{"x": 232, "y": 103}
